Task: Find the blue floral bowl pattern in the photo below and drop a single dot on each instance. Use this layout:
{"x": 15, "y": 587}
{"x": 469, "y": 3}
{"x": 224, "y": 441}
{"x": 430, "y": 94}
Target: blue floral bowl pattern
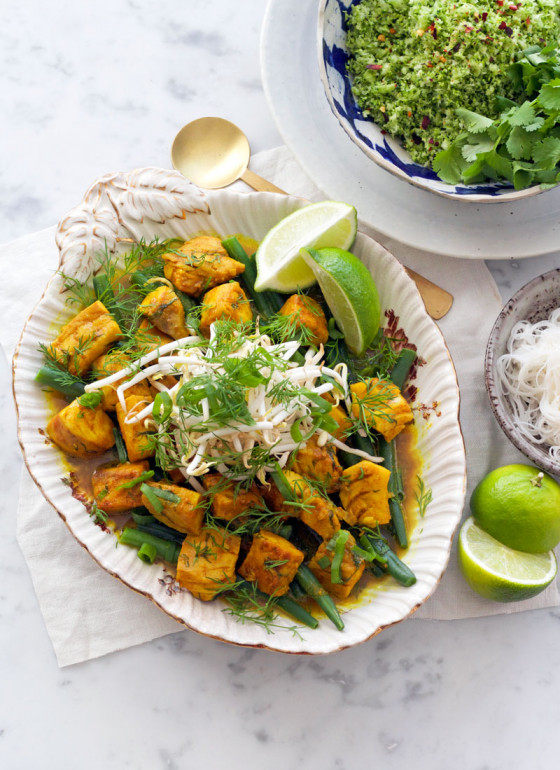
{"x": 367, "y": 135}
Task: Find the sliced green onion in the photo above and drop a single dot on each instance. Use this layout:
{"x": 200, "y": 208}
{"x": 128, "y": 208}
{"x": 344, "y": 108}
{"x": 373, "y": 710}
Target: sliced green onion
{"x": 166, "y": 494}
{"x": 91, "y": 400}
{"x": 138, "y": 480}
{"x": 147, "y": 553}
{"x": 338, "y": 542}
{"x": 324, "y": 562}
{"x": 162, "y": 408}
{"x": 154, "y": 501}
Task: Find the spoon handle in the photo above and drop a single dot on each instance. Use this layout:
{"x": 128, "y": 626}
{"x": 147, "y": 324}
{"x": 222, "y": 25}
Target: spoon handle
{"x": 258, "y": 183}
{"x": 437, "y": 301}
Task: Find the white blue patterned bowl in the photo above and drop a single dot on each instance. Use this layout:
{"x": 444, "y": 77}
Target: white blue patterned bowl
{"x": 379, "y": 147}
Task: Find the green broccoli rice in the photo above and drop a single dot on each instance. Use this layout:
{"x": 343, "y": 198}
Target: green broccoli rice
{"x": 414, "y": 62}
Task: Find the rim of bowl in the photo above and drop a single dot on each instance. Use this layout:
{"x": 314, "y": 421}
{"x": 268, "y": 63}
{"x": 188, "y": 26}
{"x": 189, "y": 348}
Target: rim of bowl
{"x": 534, "y": 452}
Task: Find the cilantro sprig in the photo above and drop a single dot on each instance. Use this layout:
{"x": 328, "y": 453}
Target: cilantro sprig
{"x": 521, "y": 145}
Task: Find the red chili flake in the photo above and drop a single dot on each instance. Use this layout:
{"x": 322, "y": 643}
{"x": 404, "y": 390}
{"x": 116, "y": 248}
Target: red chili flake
{"x": 373, "y": 66}
{"x": 484, "y": 16}
{"x": 429, "y": 64}
{"x": 383, "y": 131}
{"x": 503, "y": 25}
{"x": 425, "y": 122}
{"x": 468, "y": 29}
{"x": 430, "y": 140}
{"x": 527, "y": 20}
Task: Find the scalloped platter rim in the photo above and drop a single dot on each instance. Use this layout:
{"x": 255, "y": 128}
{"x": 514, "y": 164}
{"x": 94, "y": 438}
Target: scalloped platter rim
{"x": 156, "y": 202}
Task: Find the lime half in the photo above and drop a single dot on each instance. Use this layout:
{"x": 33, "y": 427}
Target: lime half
{"x": 350, "y": 292}
{"x": 499, "y": 573}
{"x": 279, "y": 264}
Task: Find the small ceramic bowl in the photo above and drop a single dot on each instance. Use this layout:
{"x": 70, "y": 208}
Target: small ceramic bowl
{"x": 533, "y": 302}
{"x": 368, "y": 136}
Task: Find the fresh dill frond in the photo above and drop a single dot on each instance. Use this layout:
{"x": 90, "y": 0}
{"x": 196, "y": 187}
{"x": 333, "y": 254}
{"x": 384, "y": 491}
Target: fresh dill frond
{"x": 246, "y": 604}
{"x": 423, "y": 496}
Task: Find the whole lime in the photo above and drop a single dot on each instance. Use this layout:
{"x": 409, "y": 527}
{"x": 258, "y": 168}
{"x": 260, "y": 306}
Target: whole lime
{"x": 519, "y": 505}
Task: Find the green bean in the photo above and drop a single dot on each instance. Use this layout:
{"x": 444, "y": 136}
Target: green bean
{"x": 57, "y": 379}
{"x": 400, "y": 371}
{"x": 296, "y": 611}
{"x": 120, "y": 446}
{"x": 315, "y": 590}
{"x": 166, "y": 550}
{"x": 268, "y": 303}
{"x": 159, "y": 529}
{"x": 388, "y": 451}
{"x": 297, "y": 591}
{"x": 186, "y": 301}
{"x": 139, "y": 278}
{"x": 102, "y": 288}
{"x": 395, "y": 567}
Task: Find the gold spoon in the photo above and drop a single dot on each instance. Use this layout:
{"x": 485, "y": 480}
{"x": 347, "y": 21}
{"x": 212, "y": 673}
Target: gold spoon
{"x": 214, "y": 153}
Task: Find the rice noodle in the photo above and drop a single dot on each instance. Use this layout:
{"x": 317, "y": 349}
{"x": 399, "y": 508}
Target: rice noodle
{"x": 528, "y": 376}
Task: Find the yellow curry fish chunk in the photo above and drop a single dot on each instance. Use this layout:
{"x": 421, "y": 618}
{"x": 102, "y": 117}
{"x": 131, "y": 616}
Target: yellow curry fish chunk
{"x": 272, "y": 562}
{"x": 345, "y": 424}
{"x": 136, "y": 436}
{"x": 319, "y": 513}
{"x": 109, "y": 486}
{"x": 227, "y": 499}
{"x": 351, "y": 569}
{"x": 307, "y": 315}
{"x": 112, "y": 362}
{"x": 318, "y": 463}
{"x": 364, "y": 493}
{"x": 148, "y": 337}
{"x": 163, "y": 307}
{"x": 200, "y": 264}
{"x": 207, "y": 562}
{"x": 225, "y": 302}
{"x": 381, "y": 404}
{"x": 85, "y": 338}
{"x": 185, "y": 514}
{"x": 81, "y": 431}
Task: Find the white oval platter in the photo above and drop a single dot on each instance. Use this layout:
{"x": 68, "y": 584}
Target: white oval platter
{"x": 146, "y": 203}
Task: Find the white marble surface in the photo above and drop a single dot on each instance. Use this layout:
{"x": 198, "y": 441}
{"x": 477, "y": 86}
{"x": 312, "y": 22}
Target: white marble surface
{"x": 91, "y": 88}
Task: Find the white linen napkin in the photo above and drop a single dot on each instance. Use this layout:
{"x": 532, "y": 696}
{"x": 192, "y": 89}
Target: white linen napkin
{"x": 87, "y": 612}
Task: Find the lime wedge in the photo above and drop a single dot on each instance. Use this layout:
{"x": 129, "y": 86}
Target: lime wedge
{"x": 350, "y": 292}
{"x": 499, "y": 573}
{"x": 279, "y": 265}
